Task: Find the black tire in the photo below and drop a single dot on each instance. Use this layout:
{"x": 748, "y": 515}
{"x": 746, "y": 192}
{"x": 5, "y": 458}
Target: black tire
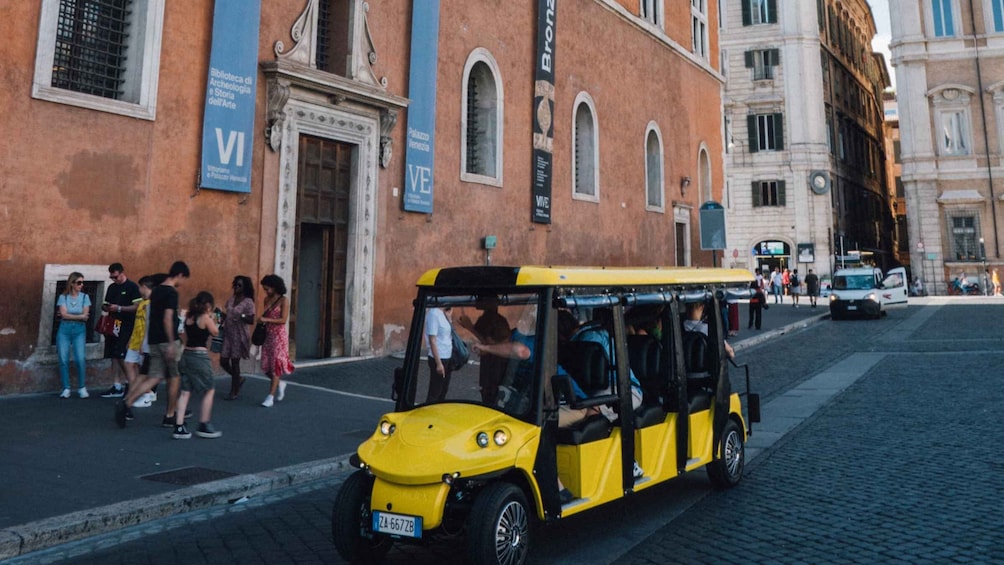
{"x": 351, "y": 517}
{"x": 727, "y": 469}
{"x": 498, "y": 527}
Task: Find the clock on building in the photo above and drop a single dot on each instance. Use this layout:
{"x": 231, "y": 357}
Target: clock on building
{"x": 819, "y": 182}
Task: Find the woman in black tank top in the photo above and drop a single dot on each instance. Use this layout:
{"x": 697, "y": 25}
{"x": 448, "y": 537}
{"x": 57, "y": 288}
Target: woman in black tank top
{"x": 196, "y": 370}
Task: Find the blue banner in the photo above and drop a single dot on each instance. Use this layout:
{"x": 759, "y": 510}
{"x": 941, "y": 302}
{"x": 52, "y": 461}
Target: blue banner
{"x": 422, "y": 110}
{"x": 228, "y": 121}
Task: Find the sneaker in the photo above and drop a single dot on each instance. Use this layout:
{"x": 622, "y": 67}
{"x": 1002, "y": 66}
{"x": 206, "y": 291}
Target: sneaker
{"x": 181, "y": 432}
{"x": 638, "y": 472}
{"x": 152, "y": 396}
{"x": 116, "y": 391}
{"x": 65, "y": 393}
{"x": 269, "y": 401}
{"x": 207, "y": 430}
{"x": 188, "y": 414}
{"x": 121, "y": 411}
{"x": 141, "y": 402}
{"x": 167, "y": 422}
{"x": 129, "y": 415}
{"x": 82, "y": 391}
{"x": 282, "y": 391}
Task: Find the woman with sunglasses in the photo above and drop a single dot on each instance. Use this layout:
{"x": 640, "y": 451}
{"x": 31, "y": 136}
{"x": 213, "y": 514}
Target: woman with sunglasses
{"x": 74, "y": 309}
{"x": 240, "y": 315}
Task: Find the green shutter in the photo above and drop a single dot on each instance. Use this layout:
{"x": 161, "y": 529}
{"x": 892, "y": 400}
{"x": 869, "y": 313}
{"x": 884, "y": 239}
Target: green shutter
{"x": 751, "y": 130}
{"x": 747, "y": 16}
{"x": 778, "y": 132}
{"x": 780, "y": 193}
{"x": 774, "y": 56}
{"x": 756, "y": 194}
{"x": 771, "y": 11}
{"x": 749, "y": 59}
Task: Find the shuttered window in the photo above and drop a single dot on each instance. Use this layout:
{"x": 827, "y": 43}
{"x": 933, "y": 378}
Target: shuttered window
{"x": 766, "y": 132}
{"x": 762, "y": 61}
{"x": 759, "y": 12}
{"x": 768, "y": 193}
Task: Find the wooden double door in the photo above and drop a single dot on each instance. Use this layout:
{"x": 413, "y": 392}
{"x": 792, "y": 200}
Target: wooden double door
{"x": 320, "y": 266}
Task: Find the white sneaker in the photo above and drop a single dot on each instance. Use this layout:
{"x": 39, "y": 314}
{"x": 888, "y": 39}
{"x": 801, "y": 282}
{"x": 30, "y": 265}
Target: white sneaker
{"x": 152, "y": 396}
{"x": 65, "y": 393}
{"x": 282, "y": 391}
{"x": 82, "y": 391}
{"x": 142, "y": 402}
{"x": 638, "y": 472}
{"x": 269, "y": 401}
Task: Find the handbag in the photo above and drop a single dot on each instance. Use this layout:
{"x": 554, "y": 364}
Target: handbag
{"x": 258, "y": 335}
{"x": 216, "y": 344}
{"x": 106, "y": 326}
{"x": 460, "y": 355}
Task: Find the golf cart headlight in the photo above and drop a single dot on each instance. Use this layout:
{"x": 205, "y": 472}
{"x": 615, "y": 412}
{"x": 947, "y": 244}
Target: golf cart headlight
{"x": 482, "y": 439}
{"x": 387, "y": 428}
{"x": 501, "y": 437}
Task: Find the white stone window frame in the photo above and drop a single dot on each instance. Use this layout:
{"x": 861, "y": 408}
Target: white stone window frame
{"x": 988, "y": 16}
{"x": 997, "y": 91}
{"x": 482, "y": 55}
{"x": 653, "y": 12}
{"x": 929, "y": 18}
{"x": 52, "y": 275}
{"x": 699, "y": 22}
{"x": 142, "y": 68}
{"x": 948, "y": 100}
{"x": 650, "y": 131}
{"x": 583, "y": 98}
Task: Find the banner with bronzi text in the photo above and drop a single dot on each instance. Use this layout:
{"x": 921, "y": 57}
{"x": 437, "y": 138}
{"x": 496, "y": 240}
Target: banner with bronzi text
{"x": 228, "y": 120}
{"x": 543, "y": 111}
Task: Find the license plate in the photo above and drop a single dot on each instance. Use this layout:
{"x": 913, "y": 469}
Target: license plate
{"x": 397, "y": 524}
{"x": 852, "y": 307}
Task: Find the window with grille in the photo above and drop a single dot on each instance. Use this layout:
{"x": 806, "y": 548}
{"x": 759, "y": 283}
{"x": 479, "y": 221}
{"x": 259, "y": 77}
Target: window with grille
{"x": 481, "y": 126}
{"x": 333, "y": 36}
{"x": 963, "y": 234}
{"x": 654, "y": 191}
{"x": 766, "y": 132}
{"x": 768, "y": 193}
{"x": 585, "y": 155}
{"x": 759, "y": 12}
{"x": 91, "y": 44}
{"x": 762, "y": 61}
{"x": 100, "y": 54}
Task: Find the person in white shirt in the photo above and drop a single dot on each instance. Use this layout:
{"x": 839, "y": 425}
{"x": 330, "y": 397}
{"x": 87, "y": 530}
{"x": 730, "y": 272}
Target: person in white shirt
{"x": 439, "y": 339}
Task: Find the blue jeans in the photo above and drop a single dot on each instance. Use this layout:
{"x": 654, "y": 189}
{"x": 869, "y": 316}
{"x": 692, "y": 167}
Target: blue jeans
{"x": 71, "y": 334}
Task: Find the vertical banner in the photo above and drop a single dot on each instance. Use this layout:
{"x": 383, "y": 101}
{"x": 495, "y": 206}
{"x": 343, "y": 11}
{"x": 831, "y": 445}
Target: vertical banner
{"x": 228, "y": 120}
{"x": 543, "y": 111}
{"x": 420, "y": 152}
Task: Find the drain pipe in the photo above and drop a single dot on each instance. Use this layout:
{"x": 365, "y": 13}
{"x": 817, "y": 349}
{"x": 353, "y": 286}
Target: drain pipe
{"x": 986, "y": 137}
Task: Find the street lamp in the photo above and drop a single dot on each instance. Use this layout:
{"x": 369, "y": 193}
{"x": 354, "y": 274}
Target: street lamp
{"x": 983, "y": 259}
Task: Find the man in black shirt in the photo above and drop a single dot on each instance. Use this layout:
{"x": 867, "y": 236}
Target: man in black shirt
{"x": 121, "y": 300}
{"x": 812, "y": 287}
{"x": 162, "y": 336}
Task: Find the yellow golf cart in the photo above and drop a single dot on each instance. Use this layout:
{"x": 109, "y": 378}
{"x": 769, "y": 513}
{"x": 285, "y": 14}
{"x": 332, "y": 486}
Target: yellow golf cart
{"x": 590, "y": 384}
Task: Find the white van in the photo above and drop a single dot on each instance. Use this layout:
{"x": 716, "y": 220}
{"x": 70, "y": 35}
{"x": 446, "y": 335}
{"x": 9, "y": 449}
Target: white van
{"x": 865, "y": 291}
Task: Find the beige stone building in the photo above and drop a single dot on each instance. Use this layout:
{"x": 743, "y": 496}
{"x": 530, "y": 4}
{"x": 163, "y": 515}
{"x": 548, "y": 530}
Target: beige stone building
{"x": 803, "y": 119}
{"x": 949, "y": 62}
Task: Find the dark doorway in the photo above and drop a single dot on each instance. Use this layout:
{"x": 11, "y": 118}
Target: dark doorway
{"x": 317, "y": 324}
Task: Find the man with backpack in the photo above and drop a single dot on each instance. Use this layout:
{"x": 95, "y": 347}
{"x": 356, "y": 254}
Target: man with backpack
{"x": 796, "y": 287}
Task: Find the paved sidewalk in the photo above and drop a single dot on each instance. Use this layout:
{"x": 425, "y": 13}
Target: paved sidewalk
{"x": 67, "y": 472}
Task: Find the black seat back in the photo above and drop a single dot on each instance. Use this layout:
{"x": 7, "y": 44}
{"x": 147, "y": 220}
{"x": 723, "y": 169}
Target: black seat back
{"x": 586, "y": 362}
{"x": 645, "y": 359}
{"x": 695, "y": 352}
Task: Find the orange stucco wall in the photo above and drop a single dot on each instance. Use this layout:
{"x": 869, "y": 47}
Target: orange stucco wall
{"x": 88, "y": 187}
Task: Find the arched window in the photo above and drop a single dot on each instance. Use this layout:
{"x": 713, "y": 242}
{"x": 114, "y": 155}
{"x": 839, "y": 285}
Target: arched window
{"x": 481, "y": 121}
{"x": 654, "y": 183}
{"x": 585, "y": 150}
{"x": 704, "y": 174}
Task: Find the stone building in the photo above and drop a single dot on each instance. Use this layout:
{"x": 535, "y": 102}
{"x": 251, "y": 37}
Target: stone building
{"x": 948, "y": 57}
{"x": 108, "y": 105}
{"x": 803, "y": 120}
{"x": 894, "y": 181}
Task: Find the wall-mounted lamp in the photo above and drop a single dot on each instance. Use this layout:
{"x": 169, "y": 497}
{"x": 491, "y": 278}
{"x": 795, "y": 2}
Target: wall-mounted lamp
{"x": 684, "y": 183}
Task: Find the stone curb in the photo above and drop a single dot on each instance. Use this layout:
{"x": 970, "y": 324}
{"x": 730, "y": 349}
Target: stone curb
{"x": 42, "y": 534}
{"x": 768, "y": 335}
